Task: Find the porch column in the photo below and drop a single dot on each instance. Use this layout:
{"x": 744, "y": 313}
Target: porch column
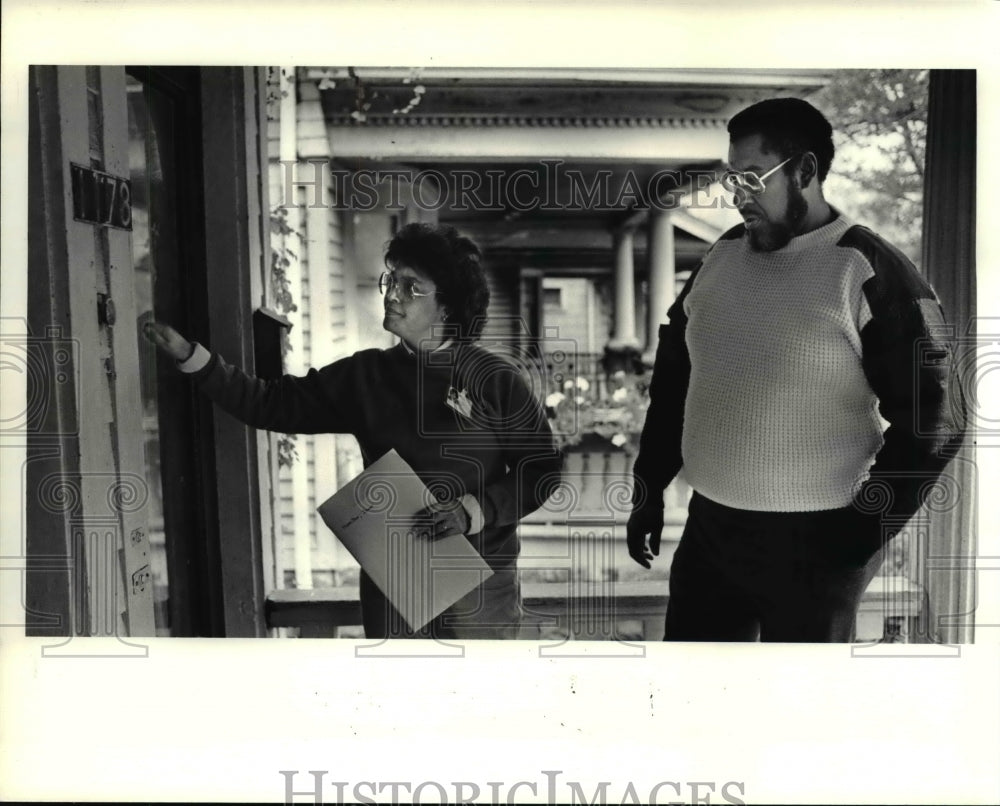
{"x": 661, "y": 278}
{"x": 949, "y": 259}
{"x": 624, "y": 338}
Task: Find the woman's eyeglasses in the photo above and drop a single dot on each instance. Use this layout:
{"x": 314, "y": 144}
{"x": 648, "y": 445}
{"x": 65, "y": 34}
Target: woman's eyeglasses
{"x": 748, "y": 181}
{"x": 406, "y": 286}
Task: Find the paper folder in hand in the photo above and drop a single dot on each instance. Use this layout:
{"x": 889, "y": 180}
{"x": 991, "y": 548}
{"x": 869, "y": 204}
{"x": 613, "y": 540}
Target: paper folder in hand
{"x": 372, "y": 516}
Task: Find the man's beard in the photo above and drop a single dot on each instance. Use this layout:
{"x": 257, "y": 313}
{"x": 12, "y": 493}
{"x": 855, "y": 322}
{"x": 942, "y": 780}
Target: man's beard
{"x": 767, "y": 235}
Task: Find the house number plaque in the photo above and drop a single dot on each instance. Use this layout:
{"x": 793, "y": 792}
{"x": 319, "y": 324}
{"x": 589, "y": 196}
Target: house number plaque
{"x": 101, "y": 198}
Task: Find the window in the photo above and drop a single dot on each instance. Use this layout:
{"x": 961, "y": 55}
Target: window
{"x": 553, "y": 297}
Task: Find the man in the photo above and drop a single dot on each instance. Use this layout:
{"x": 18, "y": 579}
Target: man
{"x": 793, "y": 344}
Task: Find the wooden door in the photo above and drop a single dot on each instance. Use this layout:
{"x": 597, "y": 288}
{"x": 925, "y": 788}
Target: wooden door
{"x": 87, "y": 498}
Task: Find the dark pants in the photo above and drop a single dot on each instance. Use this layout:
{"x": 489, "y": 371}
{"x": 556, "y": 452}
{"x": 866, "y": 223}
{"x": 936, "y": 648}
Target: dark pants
{"x": 491, "y": 611}
{"x": 739, "y": 575}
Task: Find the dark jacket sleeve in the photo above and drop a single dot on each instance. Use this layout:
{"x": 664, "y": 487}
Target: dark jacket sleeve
{"x": 659, "y": 458}
{"x": 318, "y": 402}
{"x": 534, "y": 464}
{"x": 908, "y": 359}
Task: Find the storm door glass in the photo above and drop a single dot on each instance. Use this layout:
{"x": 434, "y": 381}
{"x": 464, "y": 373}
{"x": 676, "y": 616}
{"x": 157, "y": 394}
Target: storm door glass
{"x": 153, "y": 246}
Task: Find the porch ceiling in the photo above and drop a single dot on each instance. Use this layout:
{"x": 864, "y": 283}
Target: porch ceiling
{"x": 586, "y": 143}
{"x": 563, "y": 97}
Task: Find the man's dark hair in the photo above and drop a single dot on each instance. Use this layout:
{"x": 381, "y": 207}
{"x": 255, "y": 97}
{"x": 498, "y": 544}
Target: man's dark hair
{"x": 789, "y": 126}
{"x": 453, "y": 262}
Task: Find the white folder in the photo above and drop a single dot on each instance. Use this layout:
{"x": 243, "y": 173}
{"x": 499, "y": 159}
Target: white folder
{"x": 372, "y": 515}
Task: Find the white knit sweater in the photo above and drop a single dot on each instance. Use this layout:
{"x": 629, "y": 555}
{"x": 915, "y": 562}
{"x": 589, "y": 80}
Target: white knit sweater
{"x": 779, "y": 415}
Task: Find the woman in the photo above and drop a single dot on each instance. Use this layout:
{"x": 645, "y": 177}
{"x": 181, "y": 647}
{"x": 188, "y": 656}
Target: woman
{"x": 463, "y": 418}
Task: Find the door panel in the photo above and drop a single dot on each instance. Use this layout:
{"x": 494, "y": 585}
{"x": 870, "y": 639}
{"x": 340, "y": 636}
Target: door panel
{"x": 167, "y": 253}
{"x": 131, "y": 496}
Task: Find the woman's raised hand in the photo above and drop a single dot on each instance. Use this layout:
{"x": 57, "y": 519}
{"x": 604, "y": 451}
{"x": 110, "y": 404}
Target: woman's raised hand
{"x": 168, "y": 340}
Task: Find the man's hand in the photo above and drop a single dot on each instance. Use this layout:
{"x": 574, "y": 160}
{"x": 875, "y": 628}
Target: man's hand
{"x": 644, "y": 520}
{"x": 440, "y": 519}
{"x": 168, "y": 340}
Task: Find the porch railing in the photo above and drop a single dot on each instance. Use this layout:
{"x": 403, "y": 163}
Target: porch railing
{"x": 891, "y": 610}
{"x": 563, "y": 366}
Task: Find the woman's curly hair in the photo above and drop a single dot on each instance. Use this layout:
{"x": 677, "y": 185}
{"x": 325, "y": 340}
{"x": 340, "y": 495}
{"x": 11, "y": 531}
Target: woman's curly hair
{"x": 453, "y": 262}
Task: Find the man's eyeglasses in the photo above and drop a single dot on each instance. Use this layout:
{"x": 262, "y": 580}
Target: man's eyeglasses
{"x": 388, "y": 281}
{"x": 748, "y": 181}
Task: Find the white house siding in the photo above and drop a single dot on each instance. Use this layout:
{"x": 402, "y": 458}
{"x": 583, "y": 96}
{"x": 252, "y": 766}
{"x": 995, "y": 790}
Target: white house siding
{"x": 322, "y": 294}
{"x": 501, "y": 316}
{"x": 572, "y": 318}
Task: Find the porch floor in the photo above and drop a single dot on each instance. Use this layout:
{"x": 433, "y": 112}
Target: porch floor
{"x": 589, "y": 610}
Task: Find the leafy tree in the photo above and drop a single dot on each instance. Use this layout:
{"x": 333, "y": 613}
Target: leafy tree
{"x": 879, "y": 119}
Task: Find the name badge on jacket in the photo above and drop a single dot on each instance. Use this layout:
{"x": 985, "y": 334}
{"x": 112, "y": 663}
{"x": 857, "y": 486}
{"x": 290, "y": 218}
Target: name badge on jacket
{"x": 459, "y": 401}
